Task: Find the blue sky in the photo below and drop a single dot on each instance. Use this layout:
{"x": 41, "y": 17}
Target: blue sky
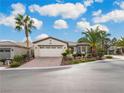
{"x": 64, "y": 19}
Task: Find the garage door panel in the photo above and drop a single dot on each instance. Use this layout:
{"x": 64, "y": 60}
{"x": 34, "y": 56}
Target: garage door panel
{"x": 50, "y": 52}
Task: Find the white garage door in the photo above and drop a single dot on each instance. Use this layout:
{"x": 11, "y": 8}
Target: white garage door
{"x": 51, "y": 51}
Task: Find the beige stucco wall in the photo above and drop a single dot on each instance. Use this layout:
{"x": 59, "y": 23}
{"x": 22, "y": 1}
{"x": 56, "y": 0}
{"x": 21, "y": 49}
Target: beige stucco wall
{"x": 18, "y": 51}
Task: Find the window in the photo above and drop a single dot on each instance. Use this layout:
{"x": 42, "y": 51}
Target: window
{"x": 7, "y": 50}
{"x": 53, "y": 47}
{"x": 1, "y": 50}
{"x": 41, "y": 46}
{"x": 59, "y": 47}
{"x": 47, "y": 47}
{"x": 83, "y": 49}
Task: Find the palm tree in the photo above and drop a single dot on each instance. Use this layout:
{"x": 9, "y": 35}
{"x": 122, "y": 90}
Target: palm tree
{"x": 24, "y": 23}
{"x": 120, "y": 42}
{"x": 82, "y": 39}
{"x": 103, "y": 36}
{"x": 96, "y": 38}
{"x": 92, "y": 37}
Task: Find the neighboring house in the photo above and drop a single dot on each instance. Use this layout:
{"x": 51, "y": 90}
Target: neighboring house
{"x": 9, "y": 49}
{"x": 113, "y": 50}
{"x": 52, "y": 47}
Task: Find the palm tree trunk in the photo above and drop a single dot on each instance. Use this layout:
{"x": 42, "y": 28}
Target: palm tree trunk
{"x": 94, "y": 51}
{"x": 27, "y": 36}
{"x": 27, "y": 41}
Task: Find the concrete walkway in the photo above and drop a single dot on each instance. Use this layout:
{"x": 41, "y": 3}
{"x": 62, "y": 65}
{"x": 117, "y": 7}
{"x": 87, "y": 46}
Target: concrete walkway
{"x": 43, "y": 62}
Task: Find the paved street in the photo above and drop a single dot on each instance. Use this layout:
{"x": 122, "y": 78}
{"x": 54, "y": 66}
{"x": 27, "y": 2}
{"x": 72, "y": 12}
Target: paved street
{"x": 97, "y": 77}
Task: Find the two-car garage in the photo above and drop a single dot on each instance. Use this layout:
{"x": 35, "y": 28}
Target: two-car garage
{"x": 49, "y": 47}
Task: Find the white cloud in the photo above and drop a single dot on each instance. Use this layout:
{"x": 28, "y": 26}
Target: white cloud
{"x": 10, "y": 20}
{"x": 37, "y": 23}
{"x": 17, "y": 8}
{"x": 59, "y": 1}
{"x": 115, "y": 15}
{"x": 7, "y": 21}
{"x": 99, "y": 1}
{"x": 120, "y": 4}
{"x": 60, "y": 24}
{"x": 101, "y": 27}
{"x": 88, "y": 2}
{"x": 67, "y": 10}
{"x": 41, "y": 36}
{"x": 83, "y": 25}
{"x": 97, "y": 13}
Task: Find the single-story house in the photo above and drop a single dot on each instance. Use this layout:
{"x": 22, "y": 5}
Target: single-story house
{"x": 81, "y": 48}
{"x": 9, "y": 49}
{"x": 53, "y": 47}
{"x": 113, "y": 50}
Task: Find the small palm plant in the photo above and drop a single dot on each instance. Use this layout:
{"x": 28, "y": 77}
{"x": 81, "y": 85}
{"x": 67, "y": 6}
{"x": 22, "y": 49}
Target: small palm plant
{"x": 24, "y": 23}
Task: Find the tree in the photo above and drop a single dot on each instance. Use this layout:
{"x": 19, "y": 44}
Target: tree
{"x": 92, "y": 37}
{"x": 82, "y": 39}
{"x": 104, "y": 36}
{"x": 24, "y": 23}
{"x": 96, "y": 38}
{"x": 113, "y": 41}
{"x": 120, "y": 42}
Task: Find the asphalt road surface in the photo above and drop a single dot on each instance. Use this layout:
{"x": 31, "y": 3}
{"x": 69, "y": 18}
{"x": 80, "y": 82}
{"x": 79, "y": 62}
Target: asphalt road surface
{"x": 94, "y": 77}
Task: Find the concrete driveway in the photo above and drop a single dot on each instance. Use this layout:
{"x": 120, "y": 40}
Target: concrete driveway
{"x": 43, "y": 62}
{"x": 94, "y": 77}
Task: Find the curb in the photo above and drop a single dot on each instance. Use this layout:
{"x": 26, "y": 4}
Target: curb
{"x": 36, "y": 68}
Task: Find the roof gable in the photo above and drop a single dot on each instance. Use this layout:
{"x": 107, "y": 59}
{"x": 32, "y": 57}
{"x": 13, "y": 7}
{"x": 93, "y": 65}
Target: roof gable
{"x": 50, "y": 38}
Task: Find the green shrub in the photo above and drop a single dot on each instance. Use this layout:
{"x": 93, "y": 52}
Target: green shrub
{"x": 24, "y": 56}
{"x": 74, "y": 55}
{"x": 18, "y": 58}
{"x": 109, "y": 57}
{"x": 89, "y": 55}
{"x": 15, "y": 64}
{"x": 64, "y": 54}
